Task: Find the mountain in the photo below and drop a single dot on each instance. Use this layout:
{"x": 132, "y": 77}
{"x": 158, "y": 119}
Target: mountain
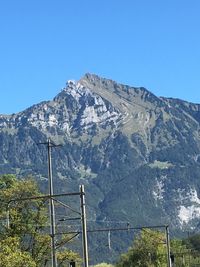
{"x": 137, "y": 154}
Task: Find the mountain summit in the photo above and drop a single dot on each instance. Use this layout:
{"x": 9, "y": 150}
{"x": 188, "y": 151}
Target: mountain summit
{"x": 137, "y": 154}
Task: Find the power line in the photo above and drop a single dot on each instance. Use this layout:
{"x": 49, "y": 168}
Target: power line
{"x": 118, "y": 229}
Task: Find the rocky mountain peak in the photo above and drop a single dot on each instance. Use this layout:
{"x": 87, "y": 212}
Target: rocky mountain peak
{"x": 138, "y": 154}
{"x": 91, "y": 77}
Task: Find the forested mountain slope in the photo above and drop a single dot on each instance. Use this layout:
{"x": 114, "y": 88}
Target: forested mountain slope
{"x": 137, "y": 154}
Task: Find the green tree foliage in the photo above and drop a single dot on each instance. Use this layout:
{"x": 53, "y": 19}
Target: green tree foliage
{"x": 148, "y": 250}
{"x": 184, "y": 255}
{"x": 193, "y": 242}
{"x": 191, "y": 254}
{"x": 27, "y": 219}
{"x": 65, "y": 256}
{"x": 103, "y": 264}
{"x": 26, "y": 236}
{"x": 12, "y": 256}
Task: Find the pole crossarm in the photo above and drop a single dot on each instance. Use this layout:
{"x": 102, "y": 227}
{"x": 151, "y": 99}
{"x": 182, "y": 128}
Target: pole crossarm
{"x": 115, "y": 229}
{"x": 50, "y": 143}
{"x": 69, "y": 219}
{"x": 126, "y": 228}
{"x": 43, "y": 196}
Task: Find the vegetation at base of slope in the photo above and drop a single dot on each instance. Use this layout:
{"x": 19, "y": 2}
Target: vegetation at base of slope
{"x": 25, "y": 237}
{"x": 26, "y": 240}
{"x": 103, "y": 264}
{"x": 149, "y": 250}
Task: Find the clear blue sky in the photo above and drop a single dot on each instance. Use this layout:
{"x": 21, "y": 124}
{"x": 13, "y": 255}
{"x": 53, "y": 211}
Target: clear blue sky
{"x": 150, "y": 43}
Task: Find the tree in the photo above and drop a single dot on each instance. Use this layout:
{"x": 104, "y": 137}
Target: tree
{"x": 193, "y": 242}
{"x": 28, "y": 219}
{"x": 148, "y": 250}
{"x": 104, "y": 265}
{"x": 28, "y": 224}
{"x": 12, "y": 256}
{"x": 65, "y": 256}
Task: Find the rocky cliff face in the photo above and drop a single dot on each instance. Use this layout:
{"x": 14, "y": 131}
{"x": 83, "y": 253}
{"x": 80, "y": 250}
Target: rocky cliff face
{"x": 138, "y": 154}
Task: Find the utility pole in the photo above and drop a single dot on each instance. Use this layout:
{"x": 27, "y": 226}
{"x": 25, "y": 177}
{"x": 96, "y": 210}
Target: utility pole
{"x": 169, "y": 263}
{"x": 51, "y": 206}
{"x": 49, "y": 145}
{"x": 84, "y": 226}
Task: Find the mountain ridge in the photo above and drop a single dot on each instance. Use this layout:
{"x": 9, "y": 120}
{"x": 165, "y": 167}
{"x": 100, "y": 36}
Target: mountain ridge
{"x": 137, "y": 154}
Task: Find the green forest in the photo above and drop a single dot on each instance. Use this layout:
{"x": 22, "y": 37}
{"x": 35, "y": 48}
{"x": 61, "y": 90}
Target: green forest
{"x": 25, "y": 240}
